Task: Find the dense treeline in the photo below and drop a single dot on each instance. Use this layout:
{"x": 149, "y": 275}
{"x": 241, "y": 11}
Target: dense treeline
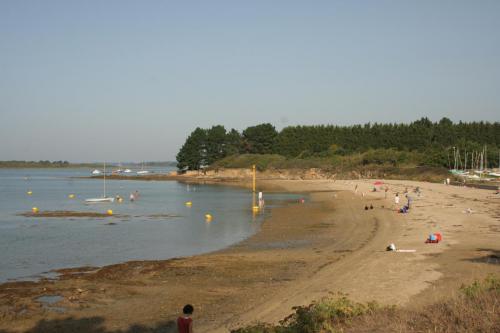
{"x": 431, "y": 142}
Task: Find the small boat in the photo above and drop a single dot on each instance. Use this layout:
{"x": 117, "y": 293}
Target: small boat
{"x": 96, "y": 172}
{"x": 119, "y": 170}
{"x": 127, "y": 171}
{"x": 104, "y": 198}
{"x": 142, "y": 171}
{"x": 99, "y": 200}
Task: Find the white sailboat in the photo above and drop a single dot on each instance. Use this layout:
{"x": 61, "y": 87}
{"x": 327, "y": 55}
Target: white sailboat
{"x": 119, "y": 170}
{"x": 96, "y": 172}
{"x": 142, "y": 171}
{"x": 104, "y": 198}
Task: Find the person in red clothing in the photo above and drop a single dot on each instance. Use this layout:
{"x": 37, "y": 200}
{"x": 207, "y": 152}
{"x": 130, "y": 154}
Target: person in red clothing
{"x": 185, "y": 322}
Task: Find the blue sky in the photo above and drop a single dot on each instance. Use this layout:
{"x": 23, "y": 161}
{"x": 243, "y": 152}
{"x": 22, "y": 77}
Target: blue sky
{"x": 129, "y": 80}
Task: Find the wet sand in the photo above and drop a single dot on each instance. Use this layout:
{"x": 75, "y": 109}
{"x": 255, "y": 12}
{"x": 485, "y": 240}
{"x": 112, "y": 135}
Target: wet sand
{"x": 67, "y": 213}
{"x": 303, "y": 252}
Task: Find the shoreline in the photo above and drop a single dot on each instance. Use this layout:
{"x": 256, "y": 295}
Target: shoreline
{"x": 74, "y": 270}
{"x": 290, "y": 261}
{"x": 244, "y": 176}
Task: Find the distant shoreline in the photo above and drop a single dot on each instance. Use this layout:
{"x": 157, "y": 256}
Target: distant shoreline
{"x": 41, "y": 166}
{"x": 243, "y": 177}
{"x": 66, "y": 165}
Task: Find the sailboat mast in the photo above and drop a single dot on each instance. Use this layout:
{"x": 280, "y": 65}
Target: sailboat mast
{"x": 104, "y": 181}
{"x": 465, "y": 161}
{"x": 455, "y": 166}
{"x": 485, "y": 157}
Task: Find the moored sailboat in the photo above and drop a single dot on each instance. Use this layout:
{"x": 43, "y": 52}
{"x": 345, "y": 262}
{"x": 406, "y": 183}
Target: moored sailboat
{"x": 104, "y": 197}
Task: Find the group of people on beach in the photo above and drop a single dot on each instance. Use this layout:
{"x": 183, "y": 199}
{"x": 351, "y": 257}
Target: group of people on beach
{"x": 397, "y": 198}
{"x": 409, "y": 199}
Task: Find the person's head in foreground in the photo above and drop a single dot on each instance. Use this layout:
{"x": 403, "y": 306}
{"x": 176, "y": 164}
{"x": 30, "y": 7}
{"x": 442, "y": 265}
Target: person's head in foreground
{"x": 188, "y": 309}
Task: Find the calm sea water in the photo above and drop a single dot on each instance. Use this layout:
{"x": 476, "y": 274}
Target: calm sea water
{"x": 32, "y": 246}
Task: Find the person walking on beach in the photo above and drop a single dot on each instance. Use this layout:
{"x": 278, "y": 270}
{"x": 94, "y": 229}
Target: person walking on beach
{"x": 185, "y": 322}
{"x": 409, "y": 200}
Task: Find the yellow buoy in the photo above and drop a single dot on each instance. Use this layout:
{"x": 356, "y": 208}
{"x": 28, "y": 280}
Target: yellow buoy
{"x": 34, "y": 210}
{"x": 208, "y": 217}
{"x": 29, "y": 192}
{"x": 71, "y": 196}
{"x": 110, "y": 212}
{"x": 189, "y": 203}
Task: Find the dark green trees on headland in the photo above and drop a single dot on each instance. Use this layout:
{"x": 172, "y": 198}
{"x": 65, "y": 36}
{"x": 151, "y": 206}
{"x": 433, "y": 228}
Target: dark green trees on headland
{"x": 260, "y": 139}
{"x": 205, "y": 146}
{"x": 428, "y": 142}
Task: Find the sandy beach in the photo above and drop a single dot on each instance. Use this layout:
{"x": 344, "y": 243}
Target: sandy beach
{"x": 303, "y": 252}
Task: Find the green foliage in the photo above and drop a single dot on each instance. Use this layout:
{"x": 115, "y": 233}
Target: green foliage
{"x": 193, "y": 153}
{"x": 421, "y": 142}
{"x": 260, "y": 139}
{"x": 476, "y": 310}
{"x": 205, "y": 146}
{"x": 262, "y": 162}
{"x": 389, "y": 156}
{"x": 322, "y": 316}
{"x": 492, "y": 282}
{"x": 327, "y": 160}
{"x": 215, "y": 144}
{"x": 234, "y": 143}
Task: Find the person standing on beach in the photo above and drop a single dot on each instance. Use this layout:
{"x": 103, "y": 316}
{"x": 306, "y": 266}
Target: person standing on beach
{"x": 185, "y": 322}
{"x": 396, "y": 199}
{"x": 409, "y": 200}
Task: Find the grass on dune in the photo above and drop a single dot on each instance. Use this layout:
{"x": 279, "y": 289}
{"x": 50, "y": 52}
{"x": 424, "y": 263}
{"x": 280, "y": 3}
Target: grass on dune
{"x": 474, "y": 309}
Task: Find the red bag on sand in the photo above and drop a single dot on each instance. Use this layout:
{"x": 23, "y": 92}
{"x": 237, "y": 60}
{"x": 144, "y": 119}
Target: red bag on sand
{"x": 438, "y": 236}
